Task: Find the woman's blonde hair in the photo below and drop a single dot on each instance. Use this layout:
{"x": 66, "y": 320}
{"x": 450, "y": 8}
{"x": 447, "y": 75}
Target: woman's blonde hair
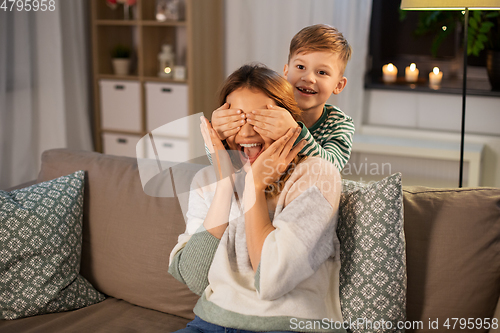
{"x": 259, "y": 77}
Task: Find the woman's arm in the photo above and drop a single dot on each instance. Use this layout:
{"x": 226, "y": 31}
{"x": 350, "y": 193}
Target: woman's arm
{"x": 265, "y": 170}
{"x": 192, "y": 257}
{"x": 257, "y": 224}
{"x": 305, "y": 222}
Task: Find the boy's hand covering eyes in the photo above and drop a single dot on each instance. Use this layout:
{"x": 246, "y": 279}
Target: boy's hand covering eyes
{"x": 272, "y": 122}
{"x": 227, "y": 122}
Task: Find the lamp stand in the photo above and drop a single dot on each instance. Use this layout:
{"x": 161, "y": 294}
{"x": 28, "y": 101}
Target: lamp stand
{"x": 464, "y": 91}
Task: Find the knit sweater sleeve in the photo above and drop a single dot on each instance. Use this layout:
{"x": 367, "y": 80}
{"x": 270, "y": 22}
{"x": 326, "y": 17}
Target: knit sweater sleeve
{"x": 305, "y": 234}
{"x": 332, "y": 141}
{"x": 191, "y": 258}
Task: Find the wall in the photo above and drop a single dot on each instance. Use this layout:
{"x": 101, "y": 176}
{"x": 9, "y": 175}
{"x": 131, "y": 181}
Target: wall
{"x": 437, "y": 117}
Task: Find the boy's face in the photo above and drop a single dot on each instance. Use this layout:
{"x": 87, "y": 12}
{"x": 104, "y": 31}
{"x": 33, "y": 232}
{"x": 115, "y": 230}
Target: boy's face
{"x": 314, "y": 76}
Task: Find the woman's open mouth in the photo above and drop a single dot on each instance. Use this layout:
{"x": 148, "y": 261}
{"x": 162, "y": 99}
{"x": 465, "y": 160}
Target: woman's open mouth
{"x": 251, "y": 151}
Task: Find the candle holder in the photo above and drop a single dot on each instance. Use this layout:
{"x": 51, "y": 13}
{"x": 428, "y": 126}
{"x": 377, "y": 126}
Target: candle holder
{"x": 390, "y": 73}
{"x": 435, "y": 78}
{"x": 166, "y": 61}
{"x": 411, "y": 73}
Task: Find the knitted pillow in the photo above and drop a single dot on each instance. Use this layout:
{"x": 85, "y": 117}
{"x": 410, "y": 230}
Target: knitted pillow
{"x": 372, "y": 253}
{"x": 40, "y": 247}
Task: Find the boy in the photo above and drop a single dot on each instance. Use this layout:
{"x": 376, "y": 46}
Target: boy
{"x": 316, "y": 63}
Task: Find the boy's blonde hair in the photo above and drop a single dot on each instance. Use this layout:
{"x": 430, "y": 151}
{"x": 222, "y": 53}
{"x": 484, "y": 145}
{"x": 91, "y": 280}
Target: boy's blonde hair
{"x": 321, "y": 37}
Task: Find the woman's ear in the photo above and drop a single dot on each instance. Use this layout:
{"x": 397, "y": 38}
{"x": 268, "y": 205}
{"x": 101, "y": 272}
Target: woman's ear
{"x": 340, "y": 86}
{"x": 285, "y": 71}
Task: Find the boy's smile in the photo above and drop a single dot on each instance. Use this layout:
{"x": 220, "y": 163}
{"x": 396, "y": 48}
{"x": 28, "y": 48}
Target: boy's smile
{"x": 315, "y": 76}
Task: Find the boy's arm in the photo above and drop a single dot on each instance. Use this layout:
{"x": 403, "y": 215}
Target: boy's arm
{"x": 333, "y": 145}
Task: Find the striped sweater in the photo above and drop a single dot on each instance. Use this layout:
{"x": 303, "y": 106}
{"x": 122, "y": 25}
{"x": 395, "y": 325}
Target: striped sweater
{"x": 297, "y": 279}
{"x": 329, "y": 138}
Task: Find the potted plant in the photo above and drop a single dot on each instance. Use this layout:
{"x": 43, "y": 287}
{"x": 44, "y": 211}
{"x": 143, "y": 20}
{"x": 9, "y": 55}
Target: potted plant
{"x": 120, "y": 55}
{"x": 483, "y": 34}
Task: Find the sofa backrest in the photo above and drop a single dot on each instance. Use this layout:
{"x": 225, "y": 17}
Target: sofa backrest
{"x": 127, "y": 235}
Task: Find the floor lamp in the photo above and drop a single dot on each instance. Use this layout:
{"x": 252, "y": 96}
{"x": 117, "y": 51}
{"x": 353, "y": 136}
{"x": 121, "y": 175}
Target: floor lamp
{"x": 464, "y": 5}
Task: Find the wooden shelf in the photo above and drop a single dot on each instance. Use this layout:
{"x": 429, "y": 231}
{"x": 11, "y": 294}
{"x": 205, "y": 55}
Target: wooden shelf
{"x": 197, "y": 41}
{"x": 161, "y": 79}
{"x": 118, "y": 77}
{"x": 163, "y": 24}
{"x": 140, "y": 22}
{"x": 116, "y": 22}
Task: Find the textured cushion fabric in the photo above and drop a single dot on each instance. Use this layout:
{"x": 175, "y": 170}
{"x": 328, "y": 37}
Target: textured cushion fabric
{"x": 127, "y": 235}
{"x": 40, "y": 249}
{"x": 453, "y": 253}
{"x": 372, "y": 254}
{"x": 111, "y": 315}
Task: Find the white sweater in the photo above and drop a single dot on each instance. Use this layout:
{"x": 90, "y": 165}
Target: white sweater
{"x": 297, "y": 282}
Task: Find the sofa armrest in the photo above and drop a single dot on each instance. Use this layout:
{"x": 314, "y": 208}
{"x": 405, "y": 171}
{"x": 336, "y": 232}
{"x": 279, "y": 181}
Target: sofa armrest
{"x": 23, "y": 185}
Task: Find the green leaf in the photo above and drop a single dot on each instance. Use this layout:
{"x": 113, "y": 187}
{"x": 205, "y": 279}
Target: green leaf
{"x": 402, "y": 14}
{"x": 482, "y": 38}
{"x": 486, "y": 26}
{"x": 492, "y": 14}
{"x": 476, "y": 15}
{"x": 473, "y": 23}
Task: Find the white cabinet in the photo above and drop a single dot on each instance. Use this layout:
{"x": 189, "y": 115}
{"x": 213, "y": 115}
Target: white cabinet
{"x": 120, "y": 105}
{"x": 168, "y": 149}
{"x": 165, "y": 103}
{"x": 121, "y": 145}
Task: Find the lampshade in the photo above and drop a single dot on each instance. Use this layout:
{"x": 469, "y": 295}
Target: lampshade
{"x": 450, "y": 4}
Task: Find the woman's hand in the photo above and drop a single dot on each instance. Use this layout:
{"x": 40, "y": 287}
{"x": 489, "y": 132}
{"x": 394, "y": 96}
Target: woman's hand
{"x": 271, "y": 164}
{"x": 220, "y": 157}
{"x": 217, "y": 217}
{"x": 227, "y": 122}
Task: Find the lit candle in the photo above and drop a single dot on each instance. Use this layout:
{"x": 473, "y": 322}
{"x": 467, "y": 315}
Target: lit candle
{"x": 435, "y": 78}
{"x": 390, "y": 73}
{"x": 411, "y": 73}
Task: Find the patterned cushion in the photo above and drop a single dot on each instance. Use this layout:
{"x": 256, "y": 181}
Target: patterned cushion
{"x": 372, "y": 253}
{"x": 40, "y": 247}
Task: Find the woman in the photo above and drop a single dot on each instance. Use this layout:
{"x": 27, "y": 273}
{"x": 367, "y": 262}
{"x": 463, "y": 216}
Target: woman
{"x": 274, "y": 266}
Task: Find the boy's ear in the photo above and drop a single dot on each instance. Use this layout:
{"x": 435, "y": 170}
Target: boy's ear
{"x": 285, "y": 71}
{"x": 340, "y": 85}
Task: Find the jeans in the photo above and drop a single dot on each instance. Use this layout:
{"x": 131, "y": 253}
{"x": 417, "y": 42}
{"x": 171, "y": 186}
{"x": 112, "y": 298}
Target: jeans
{"x": 198, "y": 325}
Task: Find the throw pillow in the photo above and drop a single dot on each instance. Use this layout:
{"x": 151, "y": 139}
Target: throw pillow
{"x": 40, "y": 249}
{"x": 372, "y": 254}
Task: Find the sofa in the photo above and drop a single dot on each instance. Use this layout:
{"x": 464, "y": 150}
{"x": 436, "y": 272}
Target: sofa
{"x": 452, "y": 239}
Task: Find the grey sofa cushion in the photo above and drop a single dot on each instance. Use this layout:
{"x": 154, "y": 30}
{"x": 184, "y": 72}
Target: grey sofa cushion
{"x": 372, "y": 253}
{"x": 40, "y": 248}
